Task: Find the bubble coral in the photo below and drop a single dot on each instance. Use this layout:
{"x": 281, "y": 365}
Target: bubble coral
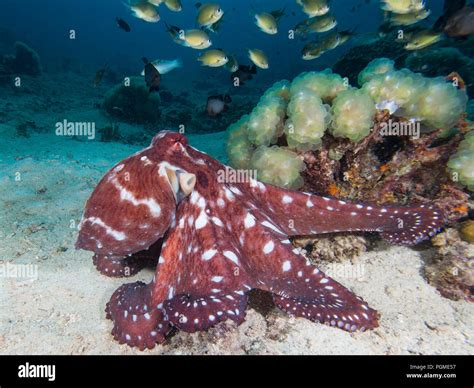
{"x": 278, "y": 166}
{"x": 308, "y": 119}
{"x": 377, "y": 66}
{"x": 403, "y": 87}
{"x": 324, "y": 83}
{"x": 353, "y": 114}
{"x": 461, "y": 164}
{"x": 239, "y": 148}
{"x": 336, "y": 130}
{"x": 266, "y": 121}
{"x": 441, "y": 103}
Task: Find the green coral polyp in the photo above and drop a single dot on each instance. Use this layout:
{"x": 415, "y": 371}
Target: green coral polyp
{"x": 461, "y": 164}
{"x": 325, "y": 84}
{"x": 353, "y": 114}
{"x": 377, "y": 66}
{"x": 239, "y": 148}
{"x": 266, "y": 122}
{"x": 278, "y": 166}
{"x": 307, "y": 120}
{"x": 441, "y": 103}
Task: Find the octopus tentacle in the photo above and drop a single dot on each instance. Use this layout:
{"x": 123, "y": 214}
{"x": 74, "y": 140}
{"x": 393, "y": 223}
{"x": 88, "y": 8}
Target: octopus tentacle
{"x": 299, "y": 287}
{"x": 191, "y": 314}
{"x": 137, "y": 322}
{"x": 118, "y": 267}
{"x": 306, "y": 214}
{"x": 199, "y": 279}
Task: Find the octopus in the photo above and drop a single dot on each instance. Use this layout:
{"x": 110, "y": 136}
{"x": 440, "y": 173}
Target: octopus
{"x": 215, "y": 238}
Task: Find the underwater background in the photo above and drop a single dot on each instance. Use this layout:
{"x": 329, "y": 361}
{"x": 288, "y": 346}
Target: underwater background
{"x": 64, "y": 62}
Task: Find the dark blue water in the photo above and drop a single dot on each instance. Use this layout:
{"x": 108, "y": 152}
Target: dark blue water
{"x": 45, "y": 26}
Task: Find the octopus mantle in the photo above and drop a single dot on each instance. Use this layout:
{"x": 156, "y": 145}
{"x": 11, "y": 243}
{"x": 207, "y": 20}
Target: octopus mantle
{"x": 215, "y": 241}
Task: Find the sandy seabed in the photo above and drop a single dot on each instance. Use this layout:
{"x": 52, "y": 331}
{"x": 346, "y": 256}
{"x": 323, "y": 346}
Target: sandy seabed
{"x": 44, "y": 183}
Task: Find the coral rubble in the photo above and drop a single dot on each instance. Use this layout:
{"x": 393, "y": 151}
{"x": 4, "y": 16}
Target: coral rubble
{"x": 452, "y": 270}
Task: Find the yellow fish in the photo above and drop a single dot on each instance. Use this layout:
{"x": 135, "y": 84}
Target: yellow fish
{"x": 145, "y": 11}
{"x": 259, "y": 58}
{"x": 196, "y": 39}
{"x": 173, "y": 5}
{"x": 209, "y": 14}
{"x": 407, "y": 19}
{"x": 314, "y": 7}
{"x": 321, "y": 23}
{"x": 266, "y": 22}
{"x": 423, "y": 39}
{"x": 403, "y": 6}
{"x": 213, "y": 58}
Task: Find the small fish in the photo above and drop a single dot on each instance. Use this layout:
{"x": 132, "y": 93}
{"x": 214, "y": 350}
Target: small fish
{"x": 173, "y": 5}
{"x": 345, "y": 36}
{"x": 408, "y": 19}
{"x": 312, "y": 50}
{"x": 402, "y": 6}
{"x": 165, "y": 66}
{"x": 232, "y": 65}
{"x": 196, "y": 39}
{"x": 259, "y": 58}
{"x": 152, "y": 76}
{"x": 217, "y": 104}
{"x": 209, "y": 14}
{"x": 176, "y": 33}
{"x": 123, "y": 25}
{"x": 244, "y": 73}
{"x": 422, "y": 39}
{"x": 461, "y": 23}
{"x": 321, "y": 23}
{"x": 213, "y": 58}
{"x": 266, "y": 22}
{"x": 314, "y": 7}
{"x": 145, "y": 11}
{"x": 99, "y": 76}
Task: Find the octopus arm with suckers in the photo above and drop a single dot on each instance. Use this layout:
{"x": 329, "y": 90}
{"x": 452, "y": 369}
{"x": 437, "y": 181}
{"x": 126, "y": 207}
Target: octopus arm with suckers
{"x": 215, "y": 241}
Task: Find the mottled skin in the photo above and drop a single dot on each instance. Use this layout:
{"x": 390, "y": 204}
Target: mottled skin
{"x": 221, "y": 240}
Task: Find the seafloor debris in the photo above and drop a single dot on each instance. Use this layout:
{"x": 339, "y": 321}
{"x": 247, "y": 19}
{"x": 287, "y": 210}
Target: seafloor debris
{"x": 332, "y": 248}
{"x": 452, "y": 270}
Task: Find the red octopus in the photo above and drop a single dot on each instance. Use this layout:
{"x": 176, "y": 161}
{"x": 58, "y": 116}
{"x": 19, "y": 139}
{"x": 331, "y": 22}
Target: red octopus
{"x": 215, "y": 241}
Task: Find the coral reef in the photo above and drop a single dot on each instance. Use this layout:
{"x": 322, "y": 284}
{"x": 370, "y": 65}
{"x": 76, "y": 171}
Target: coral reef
{"x": 25, "y": 62}
{"x": 133, "y": 103}
{"x": 387, "y": 142}
{"x": 452, "y": 270}
{"x": 461, "y": 164}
